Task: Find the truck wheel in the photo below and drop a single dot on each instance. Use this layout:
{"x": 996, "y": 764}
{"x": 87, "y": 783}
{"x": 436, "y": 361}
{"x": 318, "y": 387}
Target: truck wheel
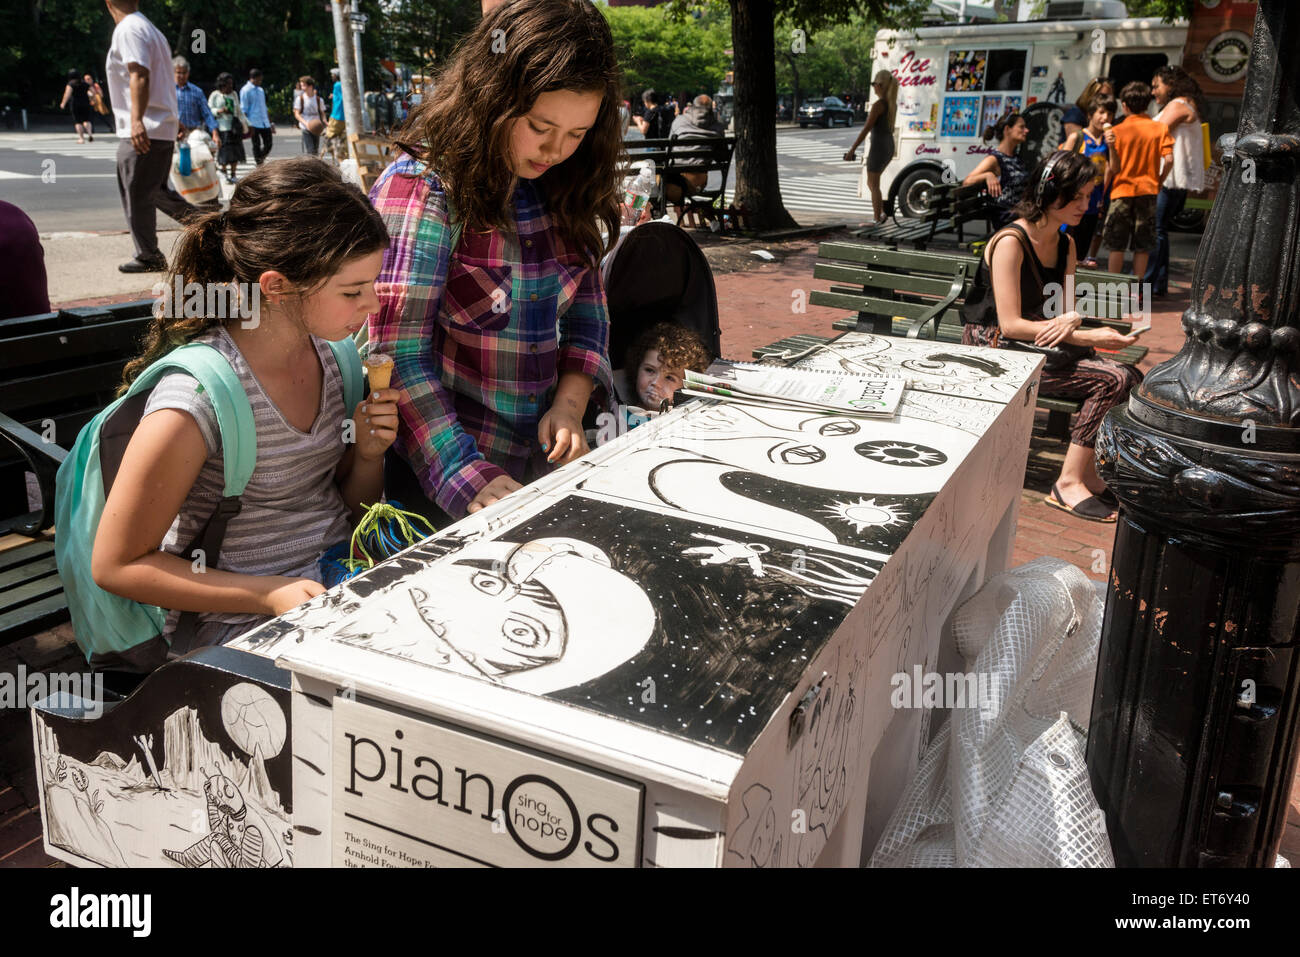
{"x": 1190, "y": 220}
{"x": 913, "y": 191}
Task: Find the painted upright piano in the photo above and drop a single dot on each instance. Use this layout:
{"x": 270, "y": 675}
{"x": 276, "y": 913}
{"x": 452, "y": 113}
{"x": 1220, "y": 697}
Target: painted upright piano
{"x": 676, "y": 651}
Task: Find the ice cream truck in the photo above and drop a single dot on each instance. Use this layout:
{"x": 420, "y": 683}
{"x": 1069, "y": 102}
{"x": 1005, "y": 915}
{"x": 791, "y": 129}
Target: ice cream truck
{"x": 955, "y": 81}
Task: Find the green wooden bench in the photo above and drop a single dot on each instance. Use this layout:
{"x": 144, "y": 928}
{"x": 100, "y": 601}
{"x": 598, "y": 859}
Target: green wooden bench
{"x": 57, "y": 370}
{"x": 919, "y": 295}
{"x": 699, "y": 154}
{"x": 950, "y": 208}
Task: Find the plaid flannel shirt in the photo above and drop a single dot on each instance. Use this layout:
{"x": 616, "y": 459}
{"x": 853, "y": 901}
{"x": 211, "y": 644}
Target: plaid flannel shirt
{"x": 478, "y": 338}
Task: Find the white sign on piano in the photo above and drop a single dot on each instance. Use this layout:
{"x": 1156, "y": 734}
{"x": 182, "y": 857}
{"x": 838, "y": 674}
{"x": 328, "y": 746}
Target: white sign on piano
{"x": 411, "y": 792}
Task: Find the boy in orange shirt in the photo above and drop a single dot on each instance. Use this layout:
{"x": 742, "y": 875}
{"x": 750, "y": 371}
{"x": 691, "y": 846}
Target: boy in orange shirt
{"x": 1142, "y": 157}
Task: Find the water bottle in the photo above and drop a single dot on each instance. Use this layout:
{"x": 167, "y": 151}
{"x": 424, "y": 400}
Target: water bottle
{"x": 184, "y": 166}
{"x": 636, "y": 192}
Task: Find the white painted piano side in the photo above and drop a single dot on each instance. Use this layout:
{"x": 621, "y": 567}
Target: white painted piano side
{"x": 951, "y": 545}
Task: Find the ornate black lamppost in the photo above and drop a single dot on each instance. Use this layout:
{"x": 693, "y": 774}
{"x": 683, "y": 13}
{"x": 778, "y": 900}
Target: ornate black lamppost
{"x": 1195, "y": 711}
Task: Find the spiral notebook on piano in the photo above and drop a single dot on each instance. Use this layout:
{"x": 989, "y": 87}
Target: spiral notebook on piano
{"x": 809, "y": 389}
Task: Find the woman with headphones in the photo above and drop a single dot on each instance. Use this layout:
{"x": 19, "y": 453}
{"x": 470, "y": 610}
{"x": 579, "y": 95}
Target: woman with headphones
{"x": 1017, "y": 301}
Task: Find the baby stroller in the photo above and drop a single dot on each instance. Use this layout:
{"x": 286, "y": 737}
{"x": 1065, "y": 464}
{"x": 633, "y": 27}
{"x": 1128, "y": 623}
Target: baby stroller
{"x": 656, "y": 274}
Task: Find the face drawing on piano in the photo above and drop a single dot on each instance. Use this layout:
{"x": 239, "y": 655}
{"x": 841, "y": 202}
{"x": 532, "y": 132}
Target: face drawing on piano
{"x": 534, "y": 616}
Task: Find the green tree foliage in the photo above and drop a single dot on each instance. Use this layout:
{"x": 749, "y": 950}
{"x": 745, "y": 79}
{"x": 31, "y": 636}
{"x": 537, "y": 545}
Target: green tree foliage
{"x": 671, "y": 54}
{"x": 40, "y": 40}
{"x": 1167, "y": 10}
{"x": 835, "y": 59}
{"x": 422, "y": 34}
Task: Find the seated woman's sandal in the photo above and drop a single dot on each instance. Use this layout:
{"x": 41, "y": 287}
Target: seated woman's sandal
{"x": 1091, "y": 509}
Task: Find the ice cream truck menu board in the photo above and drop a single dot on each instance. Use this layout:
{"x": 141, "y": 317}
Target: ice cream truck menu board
{"x": 960, "y": 114}
{"x": 966, "y": 70}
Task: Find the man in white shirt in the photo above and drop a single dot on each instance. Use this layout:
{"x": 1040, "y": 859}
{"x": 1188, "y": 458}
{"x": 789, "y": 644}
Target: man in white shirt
{"x": 139, "y": 70}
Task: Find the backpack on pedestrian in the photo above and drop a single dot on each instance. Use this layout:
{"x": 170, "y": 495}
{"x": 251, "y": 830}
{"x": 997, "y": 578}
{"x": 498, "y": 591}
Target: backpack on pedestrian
{"x": 107, "y": 625}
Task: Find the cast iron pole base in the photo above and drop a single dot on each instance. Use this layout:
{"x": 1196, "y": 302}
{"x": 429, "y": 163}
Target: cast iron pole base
{"x": 1193, "y": 735}
{"x": 1194, "y": 728}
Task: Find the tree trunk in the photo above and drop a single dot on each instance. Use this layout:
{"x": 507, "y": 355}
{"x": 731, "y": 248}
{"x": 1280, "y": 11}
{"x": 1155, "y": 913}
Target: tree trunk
{"x": 757, "y": 187}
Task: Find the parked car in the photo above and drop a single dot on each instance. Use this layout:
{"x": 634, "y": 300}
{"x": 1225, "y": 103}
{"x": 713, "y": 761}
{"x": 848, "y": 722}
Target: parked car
{"x": 825, "y": 112}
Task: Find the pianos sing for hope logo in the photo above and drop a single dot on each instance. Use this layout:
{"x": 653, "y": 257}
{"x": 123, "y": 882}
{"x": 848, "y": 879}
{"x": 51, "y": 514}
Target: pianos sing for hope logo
{"x": 465, "y": 795}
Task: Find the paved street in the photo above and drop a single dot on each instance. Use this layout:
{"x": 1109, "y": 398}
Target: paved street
{"x": 78, "y": 193}
{"x": 817, "y": 186}
{"x": 78, "y": 213}
{"x": 69, "y": 187}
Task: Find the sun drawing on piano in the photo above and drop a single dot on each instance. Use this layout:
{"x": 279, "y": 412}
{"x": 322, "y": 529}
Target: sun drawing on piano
{"x": 901, "y": 453}
{"x": 865, "y": 513}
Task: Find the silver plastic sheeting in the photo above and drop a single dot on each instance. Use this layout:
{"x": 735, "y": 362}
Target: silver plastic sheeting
{"x": 1004, "y": 783}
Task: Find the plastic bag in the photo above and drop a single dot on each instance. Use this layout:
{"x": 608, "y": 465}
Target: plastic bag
{"x": 1004, "y": 782}
{"x": 203, "y": 184}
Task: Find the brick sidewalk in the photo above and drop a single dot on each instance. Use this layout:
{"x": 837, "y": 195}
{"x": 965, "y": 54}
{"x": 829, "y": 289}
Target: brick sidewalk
{"x": 755, "y": 309}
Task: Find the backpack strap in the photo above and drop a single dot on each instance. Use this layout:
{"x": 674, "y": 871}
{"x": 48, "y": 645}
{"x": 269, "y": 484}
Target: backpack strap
{"x": 238, "y": 449}
{"x": 229, "y": 401}
{"x": 349, "y": 360}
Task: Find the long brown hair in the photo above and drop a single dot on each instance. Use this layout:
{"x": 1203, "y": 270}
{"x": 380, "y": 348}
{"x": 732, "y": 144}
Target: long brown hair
{"x": 1181, "y": 83}
{"x": 520, "y": 50}
{"x": 1090, "y": 91}
{"x": 296, "y": 217}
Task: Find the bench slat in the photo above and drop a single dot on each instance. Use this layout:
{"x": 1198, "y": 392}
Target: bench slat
{"x": 26, "y": 573}
{"x": 879, "y": 307}
{"x": 883, "y": 279}
{"x": 84, "y": 382}
{"x": 44, "y": 587}
{"x": 121, "y": 337}
{"x": 35, "y": 551}
{"x": 34, "y": 617}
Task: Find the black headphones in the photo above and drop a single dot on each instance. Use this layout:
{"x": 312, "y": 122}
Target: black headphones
{"x": 1047, "y": 174}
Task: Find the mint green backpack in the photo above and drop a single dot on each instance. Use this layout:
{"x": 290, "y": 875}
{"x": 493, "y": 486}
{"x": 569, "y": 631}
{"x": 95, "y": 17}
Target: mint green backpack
{"x": 111, "y": 629}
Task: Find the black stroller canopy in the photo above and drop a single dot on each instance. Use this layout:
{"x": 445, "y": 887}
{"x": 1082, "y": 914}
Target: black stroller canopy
{"x": 658, "y": 274}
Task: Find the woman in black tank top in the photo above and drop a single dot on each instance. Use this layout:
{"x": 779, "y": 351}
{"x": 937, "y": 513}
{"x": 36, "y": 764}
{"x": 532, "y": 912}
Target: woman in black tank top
{"x": 1018, "y": 294}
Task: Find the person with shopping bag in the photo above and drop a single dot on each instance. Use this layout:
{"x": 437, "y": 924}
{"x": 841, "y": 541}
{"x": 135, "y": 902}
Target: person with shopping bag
{"x": 194, "y": 172}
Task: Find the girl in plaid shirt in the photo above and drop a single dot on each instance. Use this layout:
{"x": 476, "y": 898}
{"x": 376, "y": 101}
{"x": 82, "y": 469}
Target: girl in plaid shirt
{"x": 490, "y": 297}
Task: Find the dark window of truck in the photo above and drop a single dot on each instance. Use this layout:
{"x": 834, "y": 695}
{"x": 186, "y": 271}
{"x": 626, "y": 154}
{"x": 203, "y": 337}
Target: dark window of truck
{"x": 1006, "y": 70}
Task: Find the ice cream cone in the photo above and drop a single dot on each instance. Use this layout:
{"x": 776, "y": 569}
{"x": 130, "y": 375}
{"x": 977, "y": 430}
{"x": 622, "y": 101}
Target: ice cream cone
{"x": 379, "y": 368}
